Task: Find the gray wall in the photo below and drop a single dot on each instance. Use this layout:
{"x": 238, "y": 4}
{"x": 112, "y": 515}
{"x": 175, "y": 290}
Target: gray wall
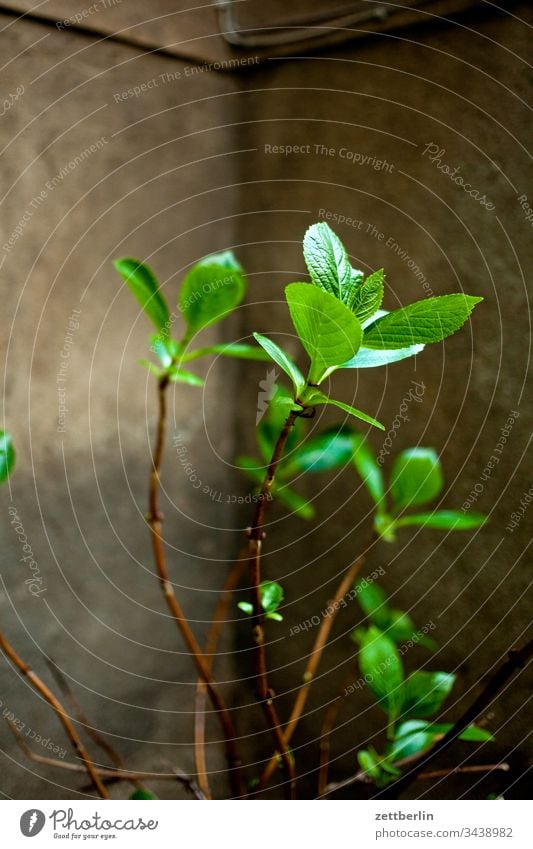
{"x": 179, "y": 171}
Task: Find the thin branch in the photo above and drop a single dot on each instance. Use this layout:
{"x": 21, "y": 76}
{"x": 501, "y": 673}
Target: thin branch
{"x": 321, "y": 642}
{"x": 82, "y": 717}
{"x": 154, "y": 520}
{"x": 190, "y": 783}
{"x": 330, "y": 718}
{"x": 314, "y": 658}
{"x": 114, "y": 756}
{"x": 213, "y": 636}
{"x": 516, "y": 661}
{"x": 65, "y": 720}
{"x": 462, "y": 770}
{"x": 105, "y": 772}
{"x": 107, "y": 775}
{"x": 363, "y": 778}
{"x": 256, "y": 535}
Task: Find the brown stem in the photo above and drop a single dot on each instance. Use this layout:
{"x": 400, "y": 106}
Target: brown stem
{"x": 77, "y": 710}
{"x": 330, "y": 718}
{"x": 190, "y": 783}
{"x": 314, "y": 658}
{"x": 256, "y": 535}
{"x": 65, "y": 720}
{"x": 107, "y": 775}
{"x": 516, "y": 661}
{"x": 82, "y": 718}
{"x": 213, "y": 635}
{"x": 362, "y": 777}
{"x": 462, "y": 770}
{"x": 154, "y": 520}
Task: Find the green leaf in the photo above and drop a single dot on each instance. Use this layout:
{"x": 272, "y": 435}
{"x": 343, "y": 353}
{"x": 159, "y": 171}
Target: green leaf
{"x": 367, "y": 358}
{"x": 356, "y": 279}
{"x": 430, "y": 320}
{"x": 427, "y": 642}
{"x": 142, "y": 281}
{"x": 250, "y": 464}
{"x": 238, "y": 350}
{"x": 357, "y": 635}
{"x": 373, "y": 602}
{"x": 384, "y": 526}
{"x": 286, "y": 403}
{"x": 253, "y": 468}
{"x": 472, "y": 734}
{"x": 320, "y": 398}
{"x": 415, "y": 736}
{"x": 374, "y": 318}
{"x": 329, "y": 332}
{"x": 142, "y": 793}
{"x": 179, "y": 375}
{"x": 411, "y": 738}
{"x": 444, "y": 520}
{"x": 295, "y": 502}
{"x": 369, "y": 763}
{"x": 382, "y": 669}
{"x": 368, "y": 296}
{"x": 209, "y": 292}
{"x": 379, "y": 769}
{"x": 271, "y": 595}
{"x": 401, "y": 628}
{"x": 327, "y": 261}
{"x": 368, "y": 469}
{"x": 164, "y": 348}
{"x": 395, "y": 624}
{"x": 424, "y": 693}
{"x": 283, "y": 360}
{"x": 226, "y": 259}
{"x": 152, "y": 368}
{"x": 390, "y": 769}
{"x": 7, "y": 455}
{"x": 320, "y": 453}
{"x": 416, "y": 477}
{"x": 291, "y": 499}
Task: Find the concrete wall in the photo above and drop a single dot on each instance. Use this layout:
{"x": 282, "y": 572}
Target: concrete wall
{"x": 183, "y": 169}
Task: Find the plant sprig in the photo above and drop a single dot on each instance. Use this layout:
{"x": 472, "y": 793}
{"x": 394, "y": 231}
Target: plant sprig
{"x": 271, "y": 597}
{"x": 416, "y": 479}
{"x": 329, "y": 449}
{"x": 414, "y": 698}
{"x": 209, "y": 292}
{"x": 340, "y": 323}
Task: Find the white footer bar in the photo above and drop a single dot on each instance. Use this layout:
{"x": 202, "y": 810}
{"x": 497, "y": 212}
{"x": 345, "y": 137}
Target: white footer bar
{"x": 267, "y": 825}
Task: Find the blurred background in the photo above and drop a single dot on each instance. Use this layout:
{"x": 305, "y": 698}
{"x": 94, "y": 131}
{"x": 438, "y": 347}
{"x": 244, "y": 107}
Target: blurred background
{"x": 166, "y": 133}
